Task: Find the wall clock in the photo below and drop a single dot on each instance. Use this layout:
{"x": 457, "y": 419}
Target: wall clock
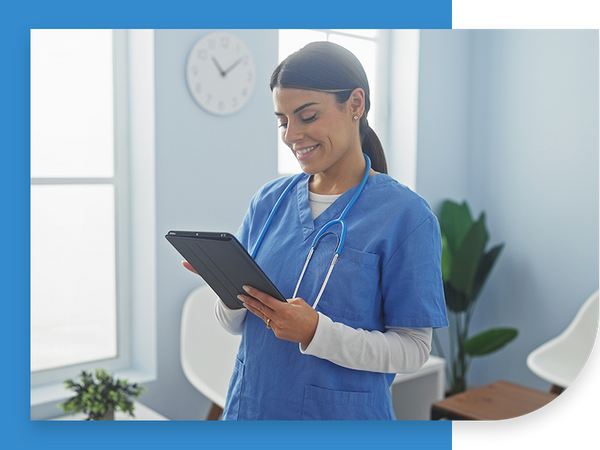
{"x": 220, "y": 73}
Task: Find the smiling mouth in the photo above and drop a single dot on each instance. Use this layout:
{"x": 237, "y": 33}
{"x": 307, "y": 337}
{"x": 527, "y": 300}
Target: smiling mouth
{"x": 306, "y": 150}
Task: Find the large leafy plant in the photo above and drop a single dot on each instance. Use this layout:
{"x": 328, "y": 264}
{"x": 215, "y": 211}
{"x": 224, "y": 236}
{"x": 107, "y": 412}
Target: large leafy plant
{"x": 465, "y": 267}
{"x": 99, "y": 395}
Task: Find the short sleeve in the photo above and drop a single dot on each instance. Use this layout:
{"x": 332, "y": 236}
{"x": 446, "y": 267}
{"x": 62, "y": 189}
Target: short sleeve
{"x": 243, "y": 232}
{"x": 411, "y": 280}
{"x": 258, "y": 211}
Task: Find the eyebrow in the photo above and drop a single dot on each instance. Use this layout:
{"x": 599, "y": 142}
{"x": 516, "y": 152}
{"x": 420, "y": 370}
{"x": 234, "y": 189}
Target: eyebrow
{"x": 297, "y": 110}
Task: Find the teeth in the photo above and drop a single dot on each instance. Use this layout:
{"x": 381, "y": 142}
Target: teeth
{"x": 305, "y": 151}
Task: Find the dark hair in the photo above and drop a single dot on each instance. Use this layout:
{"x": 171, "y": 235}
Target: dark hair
{"x": 328, "y": 67}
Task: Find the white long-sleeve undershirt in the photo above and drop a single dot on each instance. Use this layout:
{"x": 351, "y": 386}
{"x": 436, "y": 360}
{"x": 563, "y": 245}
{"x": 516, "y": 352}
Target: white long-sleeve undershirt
{"x": 397, "y": 350}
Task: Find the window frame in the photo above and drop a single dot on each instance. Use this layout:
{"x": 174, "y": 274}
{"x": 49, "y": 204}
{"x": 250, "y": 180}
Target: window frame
{"x": 120, "y": 182}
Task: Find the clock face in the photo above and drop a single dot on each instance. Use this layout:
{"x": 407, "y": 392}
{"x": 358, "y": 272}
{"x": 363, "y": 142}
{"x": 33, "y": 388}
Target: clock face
{"x": 220, "y": 73}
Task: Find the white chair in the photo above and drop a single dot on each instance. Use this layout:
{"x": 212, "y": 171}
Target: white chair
{"x": 560, "y": 360}
{"x": 207, "y": 351}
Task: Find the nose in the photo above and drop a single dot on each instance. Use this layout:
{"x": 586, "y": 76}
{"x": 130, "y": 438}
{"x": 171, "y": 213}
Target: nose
{"x": 292, "y": 133}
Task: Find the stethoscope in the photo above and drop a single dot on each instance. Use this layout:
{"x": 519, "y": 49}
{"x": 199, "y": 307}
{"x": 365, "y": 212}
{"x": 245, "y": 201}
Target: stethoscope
{"x": 340, "y": 220}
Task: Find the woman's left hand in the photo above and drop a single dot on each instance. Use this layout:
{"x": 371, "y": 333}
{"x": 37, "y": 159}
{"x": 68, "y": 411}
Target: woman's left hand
{"x": 294, "y": 321}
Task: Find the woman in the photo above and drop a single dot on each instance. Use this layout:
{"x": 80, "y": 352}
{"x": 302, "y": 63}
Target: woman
{"x": 375, "y": 315}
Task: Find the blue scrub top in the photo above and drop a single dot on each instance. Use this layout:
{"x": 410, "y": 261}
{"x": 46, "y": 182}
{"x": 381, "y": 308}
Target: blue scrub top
{"x": 388, "y": 275}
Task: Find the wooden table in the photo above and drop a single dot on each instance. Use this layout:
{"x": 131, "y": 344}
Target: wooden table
{"x": 496, "y": 401}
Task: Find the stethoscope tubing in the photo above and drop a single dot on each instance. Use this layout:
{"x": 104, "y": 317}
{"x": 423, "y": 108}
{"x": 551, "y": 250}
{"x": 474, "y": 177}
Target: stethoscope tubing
{"x": 274, "y": 211}
{"x": 340, "y": 220}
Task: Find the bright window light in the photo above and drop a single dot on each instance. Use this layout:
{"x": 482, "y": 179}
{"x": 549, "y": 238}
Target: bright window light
{"x": 73, "y": 312}
{"x": 73, "y": 199}
{"x": 72, "y": 103}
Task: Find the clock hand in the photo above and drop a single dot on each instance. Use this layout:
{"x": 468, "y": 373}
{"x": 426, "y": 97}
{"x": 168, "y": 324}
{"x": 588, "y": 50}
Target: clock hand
{"x": 218, "y": 67}
{"x": 232, "y": 66}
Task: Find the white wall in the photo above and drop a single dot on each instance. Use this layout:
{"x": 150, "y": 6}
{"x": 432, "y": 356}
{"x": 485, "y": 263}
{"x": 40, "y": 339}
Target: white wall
{"x": 508, "y": 121}
{"x": 207, "y": 169}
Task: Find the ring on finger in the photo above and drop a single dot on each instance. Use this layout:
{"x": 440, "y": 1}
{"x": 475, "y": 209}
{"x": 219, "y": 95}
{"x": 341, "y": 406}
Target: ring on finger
{"x": 268, "y": 323}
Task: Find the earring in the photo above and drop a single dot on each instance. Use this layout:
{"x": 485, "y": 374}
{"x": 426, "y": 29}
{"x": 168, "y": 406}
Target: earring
{"x": 355, "y": 117}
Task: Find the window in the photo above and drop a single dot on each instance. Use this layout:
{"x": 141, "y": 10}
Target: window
{"x": 79, "y": 207}
{"x": 368, "y": 46}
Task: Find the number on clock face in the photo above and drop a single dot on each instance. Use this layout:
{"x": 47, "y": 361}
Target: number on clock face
{"x": 220, "y": 73}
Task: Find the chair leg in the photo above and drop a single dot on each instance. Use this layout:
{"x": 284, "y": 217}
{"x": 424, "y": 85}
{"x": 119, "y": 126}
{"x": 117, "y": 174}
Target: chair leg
{"x": 215, "y": 412}
{"x": 556, "y": 389}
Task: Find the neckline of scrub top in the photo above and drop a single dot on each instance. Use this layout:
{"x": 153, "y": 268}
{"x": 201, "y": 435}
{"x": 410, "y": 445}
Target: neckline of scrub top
{"x": 333, "y": 212}
{"x": 319, "y": 203}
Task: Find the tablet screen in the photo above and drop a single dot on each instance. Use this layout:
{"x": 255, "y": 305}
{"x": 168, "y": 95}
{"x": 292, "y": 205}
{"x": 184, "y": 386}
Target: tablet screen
{"x": 223, "y": 263}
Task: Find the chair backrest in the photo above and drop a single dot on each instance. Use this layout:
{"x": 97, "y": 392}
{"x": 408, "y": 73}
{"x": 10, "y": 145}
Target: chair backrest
{"x": 560, "y": 360}
{"x": 582, "y": 330}
{"x": 208, "y": 352}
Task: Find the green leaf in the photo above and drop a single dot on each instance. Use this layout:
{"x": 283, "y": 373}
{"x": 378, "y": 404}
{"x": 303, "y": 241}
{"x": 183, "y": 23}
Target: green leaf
{"x": 455, "y": 222}
{"x": 467, "y": 257}
{"x": 485, "y": 266}
{"x": 99, "y": 392}
{"x": 455, "y": 301}
{"x": 489, "y": 341}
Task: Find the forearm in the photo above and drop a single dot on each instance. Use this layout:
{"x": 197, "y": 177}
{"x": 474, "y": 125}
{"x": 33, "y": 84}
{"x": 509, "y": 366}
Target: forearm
{"x": 398, "y": 350}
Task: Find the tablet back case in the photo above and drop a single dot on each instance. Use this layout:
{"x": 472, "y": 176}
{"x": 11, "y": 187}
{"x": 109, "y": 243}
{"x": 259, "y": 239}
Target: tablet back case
{"x": 223, "y": 263}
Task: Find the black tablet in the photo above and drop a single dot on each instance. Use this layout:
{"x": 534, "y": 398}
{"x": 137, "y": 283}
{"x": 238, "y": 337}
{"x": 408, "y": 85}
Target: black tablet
{"x": 223, "y": 263}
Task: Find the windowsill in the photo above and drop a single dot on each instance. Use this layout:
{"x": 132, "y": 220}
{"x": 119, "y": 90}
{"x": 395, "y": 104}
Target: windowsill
{"x": 55, "y": 392}
{"x": 142, "y": 412}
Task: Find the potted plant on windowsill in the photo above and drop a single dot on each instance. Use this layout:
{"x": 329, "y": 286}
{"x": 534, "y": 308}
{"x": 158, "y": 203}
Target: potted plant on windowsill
{"x": 99, "y": 395}
{"x": 465, "y": 267}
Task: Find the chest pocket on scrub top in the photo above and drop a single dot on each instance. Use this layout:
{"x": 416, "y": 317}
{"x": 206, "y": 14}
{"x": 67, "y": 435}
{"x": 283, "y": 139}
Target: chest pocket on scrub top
{"x": 352, "y": 286}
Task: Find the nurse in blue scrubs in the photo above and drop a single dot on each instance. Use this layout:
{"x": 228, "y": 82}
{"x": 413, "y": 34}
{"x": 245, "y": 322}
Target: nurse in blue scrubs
{"x": 332, "y": 351}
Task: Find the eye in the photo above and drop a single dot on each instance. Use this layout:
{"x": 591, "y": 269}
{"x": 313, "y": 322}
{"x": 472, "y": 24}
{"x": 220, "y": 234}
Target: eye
{"x": 283, "y": 125}
{"x": 310, "y": 119}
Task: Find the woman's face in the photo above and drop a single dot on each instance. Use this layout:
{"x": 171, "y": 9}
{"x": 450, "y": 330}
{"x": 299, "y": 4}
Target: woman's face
{"x": 322, "y": 134}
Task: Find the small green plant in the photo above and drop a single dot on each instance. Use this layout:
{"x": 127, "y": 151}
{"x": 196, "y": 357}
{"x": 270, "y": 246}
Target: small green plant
{"x": 465, "y": 267}
{"x": 99, "y": 395}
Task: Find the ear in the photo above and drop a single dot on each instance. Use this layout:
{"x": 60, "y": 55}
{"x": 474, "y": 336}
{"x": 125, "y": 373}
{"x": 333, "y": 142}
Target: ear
{"x": 357, "y": 102}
